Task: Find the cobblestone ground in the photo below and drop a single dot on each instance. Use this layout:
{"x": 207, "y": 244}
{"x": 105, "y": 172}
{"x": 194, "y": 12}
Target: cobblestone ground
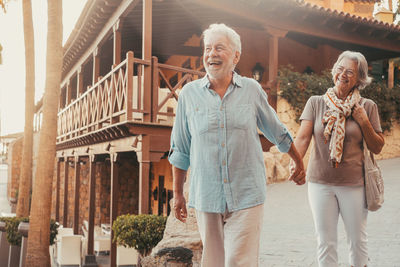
{"x": 288, "y": 232}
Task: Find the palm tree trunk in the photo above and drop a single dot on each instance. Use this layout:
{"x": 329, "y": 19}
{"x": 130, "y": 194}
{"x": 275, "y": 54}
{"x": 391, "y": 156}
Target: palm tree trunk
{"x": 39, "y": 225}
{"x": 26, "y": 165}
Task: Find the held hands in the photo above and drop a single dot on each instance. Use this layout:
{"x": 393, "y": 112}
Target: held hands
{"x": 359, "y": 114}
{"x": 297, "y": 173}
{"x": 180, "y": 211}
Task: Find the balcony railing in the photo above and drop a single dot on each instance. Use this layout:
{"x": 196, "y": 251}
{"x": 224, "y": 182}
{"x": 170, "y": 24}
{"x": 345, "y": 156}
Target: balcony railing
{"x": 120, "y": 97}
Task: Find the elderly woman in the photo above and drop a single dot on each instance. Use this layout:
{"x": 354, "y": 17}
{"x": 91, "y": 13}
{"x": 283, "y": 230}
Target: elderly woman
{"x": 339, "y": 120}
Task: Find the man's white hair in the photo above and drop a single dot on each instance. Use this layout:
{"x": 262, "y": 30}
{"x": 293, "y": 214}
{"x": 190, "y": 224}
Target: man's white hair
{"x": 230, "y": 33}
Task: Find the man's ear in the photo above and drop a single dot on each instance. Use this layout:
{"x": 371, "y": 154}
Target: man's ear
{"x": 236, "y": 58}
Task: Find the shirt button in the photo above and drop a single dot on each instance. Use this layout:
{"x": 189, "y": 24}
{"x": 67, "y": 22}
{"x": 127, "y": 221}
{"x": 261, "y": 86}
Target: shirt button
{"x": 225, "y": 181}
{"x": 223, "y": 144}
{"x": 223, "y": 162}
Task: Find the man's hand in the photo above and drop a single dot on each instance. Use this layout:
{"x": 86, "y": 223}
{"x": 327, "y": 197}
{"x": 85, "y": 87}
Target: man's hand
{"x": 297, "y": 173}
{"x": 180, "y": 207}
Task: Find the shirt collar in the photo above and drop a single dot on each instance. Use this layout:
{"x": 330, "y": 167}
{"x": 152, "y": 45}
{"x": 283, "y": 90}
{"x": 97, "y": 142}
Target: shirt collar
{"x": 236, "y": 80}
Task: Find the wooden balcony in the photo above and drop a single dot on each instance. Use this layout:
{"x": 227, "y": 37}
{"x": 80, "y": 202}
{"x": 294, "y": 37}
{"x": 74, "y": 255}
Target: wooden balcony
{"x": 119, "y": 105}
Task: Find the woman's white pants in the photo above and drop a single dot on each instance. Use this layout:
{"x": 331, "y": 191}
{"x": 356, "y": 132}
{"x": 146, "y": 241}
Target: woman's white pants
{"x": 327, "y": 202}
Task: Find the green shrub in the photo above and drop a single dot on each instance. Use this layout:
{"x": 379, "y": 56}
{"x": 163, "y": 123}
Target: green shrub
{"x": 142, "y": 232}
{"x": 15, "y": 238}
{"x": 297, "y": 88}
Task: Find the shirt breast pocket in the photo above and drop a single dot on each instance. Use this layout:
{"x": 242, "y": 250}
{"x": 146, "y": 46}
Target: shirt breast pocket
{"x": 199, "y": 120}
{"x": 243, "y": 116}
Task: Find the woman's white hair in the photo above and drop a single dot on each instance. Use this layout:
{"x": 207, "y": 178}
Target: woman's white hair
{"x": 362, "y": 66}
{"x": 230, "y": 33}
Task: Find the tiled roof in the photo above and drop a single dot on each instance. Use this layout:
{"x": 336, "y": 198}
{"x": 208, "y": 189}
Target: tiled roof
{"x": 349, "y": 17}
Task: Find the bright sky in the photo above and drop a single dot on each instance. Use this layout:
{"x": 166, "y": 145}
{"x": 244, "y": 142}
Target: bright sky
{"x": 12, "y": 71}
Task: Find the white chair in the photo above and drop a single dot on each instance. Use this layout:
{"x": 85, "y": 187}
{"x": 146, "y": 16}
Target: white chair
{"x": 127, "y": 256}
{"x": 69, "y": 250}
{"x": 102, "y": 243}
{"x": 64, "y": 231}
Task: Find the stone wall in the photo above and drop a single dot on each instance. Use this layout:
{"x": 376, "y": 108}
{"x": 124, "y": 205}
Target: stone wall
{"x": 14, "y": 166}
{"x": 128, "y": 171}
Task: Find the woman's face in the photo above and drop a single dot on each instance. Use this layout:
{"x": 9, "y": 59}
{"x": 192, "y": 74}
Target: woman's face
{"x": 346, "y": 75}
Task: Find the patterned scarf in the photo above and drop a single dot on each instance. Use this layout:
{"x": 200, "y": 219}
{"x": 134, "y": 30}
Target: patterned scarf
{"x": 335, "y": 119}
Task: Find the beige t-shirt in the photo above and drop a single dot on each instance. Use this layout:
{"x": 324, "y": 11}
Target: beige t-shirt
{"x": 350, "y": 169}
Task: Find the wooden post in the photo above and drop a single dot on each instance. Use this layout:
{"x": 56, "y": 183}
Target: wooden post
{"x": 96, "y": 66}
{"x": 146, "y": 55}
{"x": 129, "y": 96}
{"x": 274, "y": 34}
{"x": 144, "y": 174}
{"x": 76, "y": 196}
{"x": 92, "y": 203}
{"x": 114, "y": 205}
{"x": 117, "y": 43}
{"x": 391, "y": 74}
{"x": 68, "y": 94}
{"x": 79, "y": 83}
{"x": 154, "y": 86}
{"x": 65, "y": 213}
{"x": 58, "y": 190}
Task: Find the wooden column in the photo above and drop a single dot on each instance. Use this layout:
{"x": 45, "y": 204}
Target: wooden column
{"x": 65, "y": 213}
{"x": 146, "y": 55}
{"x": 92, "y": 203}
{"x": 79, "y": 83}
{"x": 117, "y": 43}
{"x": 58, "y": 190}
{"x": 96, "y": 66}
{"x": 114, "y": 205}
{"x": 273, "y": 64}
{"x": 76, "y": 195}
{"x": 144, "y": 174}
{"x": 391, "y": 74}
{"x": 68, "y": 94}
{"x": 154, "y": 78}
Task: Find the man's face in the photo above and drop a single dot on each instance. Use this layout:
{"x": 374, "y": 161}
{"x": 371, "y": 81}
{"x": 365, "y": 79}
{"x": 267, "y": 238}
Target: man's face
{"x": 219, "y": 59}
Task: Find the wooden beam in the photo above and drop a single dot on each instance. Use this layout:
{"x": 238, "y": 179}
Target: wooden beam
{"x": 114, "y": 205}
{"x": 65, "y": 213}
{"x": 147, "y": 34}
{"x": 58, "y": 190}
{"x": 76, "y": 195}
{"x": 68, "y": 94}
{"x": 144, "y": 174}
{"x": 117, "y": 42}
{"x": 96, "y": 66}
{"x": 79, "y": 83}
{"x": 92, "y": 203}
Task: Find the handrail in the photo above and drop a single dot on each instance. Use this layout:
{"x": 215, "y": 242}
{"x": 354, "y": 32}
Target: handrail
{"x": 120, "y": 97}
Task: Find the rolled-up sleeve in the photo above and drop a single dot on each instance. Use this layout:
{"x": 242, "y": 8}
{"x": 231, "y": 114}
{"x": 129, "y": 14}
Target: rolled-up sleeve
{"x": 179, "y": 155}
{"x": 270, "y": 125}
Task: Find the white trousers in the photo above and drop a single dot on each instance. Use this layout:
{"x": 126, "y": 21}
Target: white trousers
{"x": 327, "y": 202}
{"x": 231, "y": 239}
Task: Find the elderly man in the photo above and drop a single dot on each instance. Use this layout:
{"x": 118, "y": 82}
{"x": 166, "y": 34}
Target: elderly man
{"x": 215, "y": 133}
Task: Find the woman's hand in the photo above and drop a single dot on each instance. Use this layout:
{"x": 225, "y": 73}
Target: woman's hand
{"x": 359, "y": 114}
{"x": 297, "y": 173}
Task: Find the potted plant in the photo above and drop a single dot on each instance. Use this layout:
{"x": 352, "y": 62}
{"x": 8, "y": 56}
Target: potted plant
{"x": 141, "y": 232}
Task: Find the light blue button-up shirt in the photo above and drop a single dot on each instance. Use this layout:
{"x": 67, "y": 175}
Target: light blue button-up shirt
{"x": 218, "y": 139}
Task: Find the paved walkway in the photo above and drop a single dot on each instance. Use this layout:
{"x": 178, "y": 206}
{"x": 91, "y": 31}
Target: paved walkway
{"x": 288, "y": 233}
